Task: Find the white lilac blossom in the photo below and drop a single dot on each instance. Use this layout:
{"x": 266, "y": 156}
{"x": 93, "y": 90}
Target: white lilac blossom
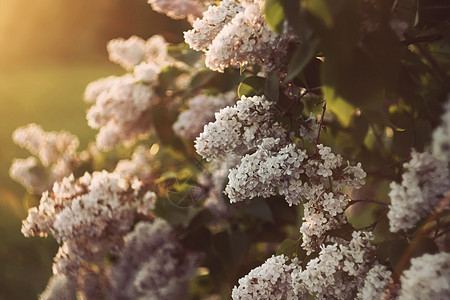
{"x": 127, "y": 53}
{"x": 214, "y": 181}
{"x": 201, "y": 111}
{"x": 265, "y": 171}
{"x": 89, "y": 216}
{"x": 146, "y": 72}
{"x": 239, "y": 128}
{"x": 375, "y": 283}
{"x": 214, "y": 19}
{"x": 56, "y": 152}
{"x": 338, "y": 270}
{"x": 120, "y": 111}
{"x": 178, "y": 9}
{"x": 152, "y": 264}
{"x": 271, "y": 280}
{"x": 140, "y": 165}
{"x": 59, "y": 287}
{"x": 427, "y": 278}
{"x": 27, "y": 173}
{"x": 441, "y": 136}
{"x": 424, "y": 185}
{"x": 156, "y": 51}
{"x": 235, "y": 34}
{"x": 49, "y": 147}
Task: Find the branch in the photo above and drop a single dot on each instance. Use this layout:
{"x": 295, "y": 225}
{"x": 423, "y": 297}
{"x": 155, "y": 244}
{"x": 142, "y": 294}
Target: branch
{"x": 422, "y": 39}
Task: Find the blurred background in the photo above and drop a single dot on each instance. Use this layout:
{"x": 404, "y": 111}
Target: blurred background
{"x": 49, "y": 51}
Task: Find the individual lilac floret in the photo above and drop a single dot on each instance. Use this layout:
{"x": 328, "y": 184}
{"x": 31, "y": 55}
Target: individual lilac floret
{"x": 239, "y": 129}
{"x": 427, "y": 278}
{"x": 152, "y": 264}
{"x": 190, "y": 123}
{"x": 424, "y": 185}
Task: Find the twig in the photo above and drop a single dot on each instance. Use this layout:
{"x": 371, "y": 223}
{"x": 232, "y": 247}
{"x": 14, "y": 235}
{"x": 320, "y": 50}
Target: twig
{"x": 374, "y": 224}
{"x": 367, "y": 201}
{"x": 422, "y": 39}
{"x": 324, "y": 108}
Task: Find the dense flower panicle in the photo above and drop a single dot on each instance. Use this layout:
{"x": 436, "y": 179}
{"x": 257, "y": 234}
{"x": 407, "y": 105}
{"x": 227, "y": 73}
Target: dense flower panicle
{"x": 441, "y": 136}
{"x": 214, "y": 181}
{"x": 424, "y": 185}
{"x": 119, "y": 111}
{"x": 201, "y": 111}
{"x": 375, "y": 283}
{"x": 266, "y": 170}
{"x": 239, "y": 129}
{"x": 146, "y": 72}
{"x": 140, "y": 164}
{"x": 152, "y": 264}
{"x": 178, "y": 9}
{"x": 247, "y": 40}
{"x": 271, "y": 280}
{"x": 127, "y": 53}
{"x": 338, "y": 270}
{"x": 235, "y": 34}
{"x": 214, "y": 19}
{"x": 56, "y": 152}
{"x": 27, "y": 173}
{"x": 156, "y": 51}
{"x": 89, "y": 215}
{"x": 60, "y": 287}
{"x": 49, "y": 147}
{"x": 427, "y": 278}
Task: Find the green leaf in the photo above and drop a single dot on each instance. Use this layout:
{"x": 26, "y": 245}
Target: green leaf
{"x": 274, "y": 15}
{"x": 259, "y": 209}
{"x": 325, "y": 10}
{"x": 341, "y": 108}
{"x": 302, "y": 56}
{"x": 252, "y": 86}
{"x": 183, "y": 53}
{"x": 202, "y": 78}
{"x": 378, "y": 117}
{"x": 288, "y": 248}
{"x": 272, "y": 88}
